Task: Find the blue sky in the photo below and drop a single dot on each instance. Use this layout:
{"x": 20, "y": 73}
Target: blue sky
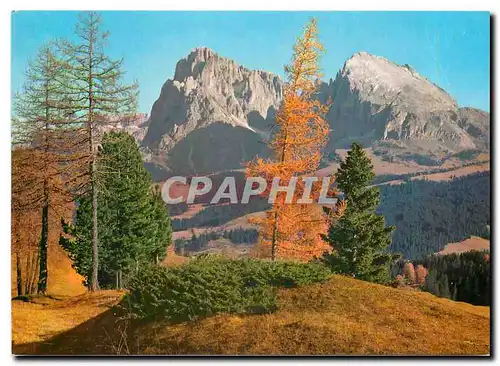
{"x": 450, "y": 48}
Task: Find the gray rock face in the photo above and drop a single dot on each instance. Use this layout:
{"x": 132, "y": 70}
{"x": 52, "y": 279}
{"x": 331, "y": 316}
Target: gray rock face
{"x": 209, "y": 89}
{"x": 214, "y": 114}
{"x": 477, "y": 124}
{"x": 375, "y": 99}
{"x": 135, "y": 125}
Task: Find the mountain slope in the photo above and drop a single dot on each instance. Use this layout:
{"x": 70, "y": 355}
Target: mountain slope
{"x": 373, "y": 99}
{"x": 342, "y": 316}
{"x": 477, "y": 124}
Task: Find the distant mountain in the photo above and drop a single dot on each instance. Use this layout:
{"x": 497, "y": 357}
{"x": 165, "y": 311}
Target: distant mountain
{"x": 136, "y": 125}
{"x": 375, "y": 99}
{"x": 214, "y": 114}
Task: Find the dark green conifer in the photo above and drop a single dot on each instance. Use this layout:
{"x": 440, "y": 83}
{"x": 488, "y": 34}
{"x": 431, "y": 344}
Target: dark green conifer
{"x": 359, "y": 239}
{"x": 134, "y": 226}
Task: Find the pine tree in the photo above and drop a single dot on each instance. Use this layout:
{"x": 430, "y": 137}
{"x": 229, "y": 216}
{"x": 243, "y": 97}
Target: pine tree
{"x": 96, "y": 93}
{"x": 359, "y": 239}
{"x": 134, "y": 226}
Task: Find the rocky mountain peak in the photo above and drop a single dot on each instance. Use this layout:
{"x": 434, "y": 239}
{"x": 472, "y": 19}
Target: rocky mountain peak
{"x": 193, "y": 64}
{"x": 376, "y": 77}
{"x": 210, "y": 89}
{"x": 376, "y": 99}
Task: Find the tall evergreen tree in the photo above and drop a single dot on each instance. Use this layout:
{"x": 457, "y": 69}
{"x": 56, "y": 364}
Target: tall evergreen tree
{"x": 359, "y": 238}
{"x": 97, "y": 92}
{"x": 134, "y": 226}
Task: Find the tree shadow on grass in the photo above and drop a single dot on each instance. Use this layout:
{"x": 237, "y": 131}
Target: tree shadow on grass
{"x": 105, "y": 334}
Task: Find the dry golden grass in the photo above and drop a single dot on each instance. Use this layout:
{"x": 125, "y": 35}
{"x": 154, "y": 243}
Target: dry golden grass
{"x": 63, "y": 279}
{"x": 66, "y": 305}
{"x": 45, "y": 317}
{"x": 172, "y": 259}
{"x": 343, "y": 316}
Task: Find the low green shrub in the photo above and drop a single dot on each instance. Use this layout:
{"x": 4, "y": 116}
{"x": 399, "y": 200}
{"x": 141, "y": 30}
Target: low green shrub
{"x": 210, "y": 284}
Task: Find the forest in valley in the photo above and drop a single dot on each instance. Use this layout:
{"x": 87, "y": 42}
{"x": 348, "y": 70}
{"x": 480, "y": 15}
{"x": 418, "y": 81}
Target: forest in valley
{"x": 428, "y": 215}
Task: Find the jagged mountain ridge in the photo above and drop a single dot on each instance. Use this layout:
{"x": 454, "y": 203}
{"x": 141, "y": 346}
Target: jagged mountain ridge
{"x": 214, "y": 114}
{"x": 207, "y": 89}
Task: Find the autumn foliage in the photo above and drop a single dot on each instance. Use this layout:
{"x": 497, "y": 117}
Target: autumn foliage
{"x": 409, "y": 272}
{"x": 412, "y": 275}
{"x": 33, "y": 170}
{"x": 292, "y": 230}
{"x": 420, "y": 274}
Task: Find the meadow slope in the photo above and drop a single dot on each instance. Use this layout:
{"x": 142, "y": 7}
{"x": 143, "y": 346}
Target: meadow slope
{"x": 342, "y": 316}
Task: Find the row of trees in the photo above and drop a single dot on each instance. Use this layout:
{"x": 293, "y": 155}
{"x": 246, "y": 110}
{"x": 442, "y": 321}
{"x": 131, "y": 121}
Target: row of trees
{"x": 72, "y": 89}
{"x": 241, "y": 235}
{"x": 460, "y": 276}
{"x": 457, "y": 276}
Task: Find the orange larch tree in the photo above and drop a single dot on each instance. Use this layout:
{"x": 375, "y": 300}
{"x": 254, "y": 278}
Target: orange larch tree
{"x": 420, "y": 274}
{"x": 292, "y": 230}
{"x": 30, "y": 184}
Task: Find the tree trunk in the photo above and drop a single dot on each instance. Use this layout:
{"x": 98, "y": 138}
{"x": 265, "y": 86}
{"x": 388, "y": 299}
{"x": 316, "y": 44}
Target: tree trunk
{"x": 94, "y": 279}
{"x": 34, "y": 265}
{"x": 19, "y": 278}
{"x": 274, "y": 243}
{"x": 118, "y": 279}
{"x": 27, "y": 280}
{"x": 94, "y": 282}
{"x": 43, "y": 274}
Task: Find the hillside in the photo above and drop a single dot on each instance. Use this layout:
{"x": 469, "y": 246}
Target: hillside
{"x": 472, "y": 243}
{"x": 342, "y": 316}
